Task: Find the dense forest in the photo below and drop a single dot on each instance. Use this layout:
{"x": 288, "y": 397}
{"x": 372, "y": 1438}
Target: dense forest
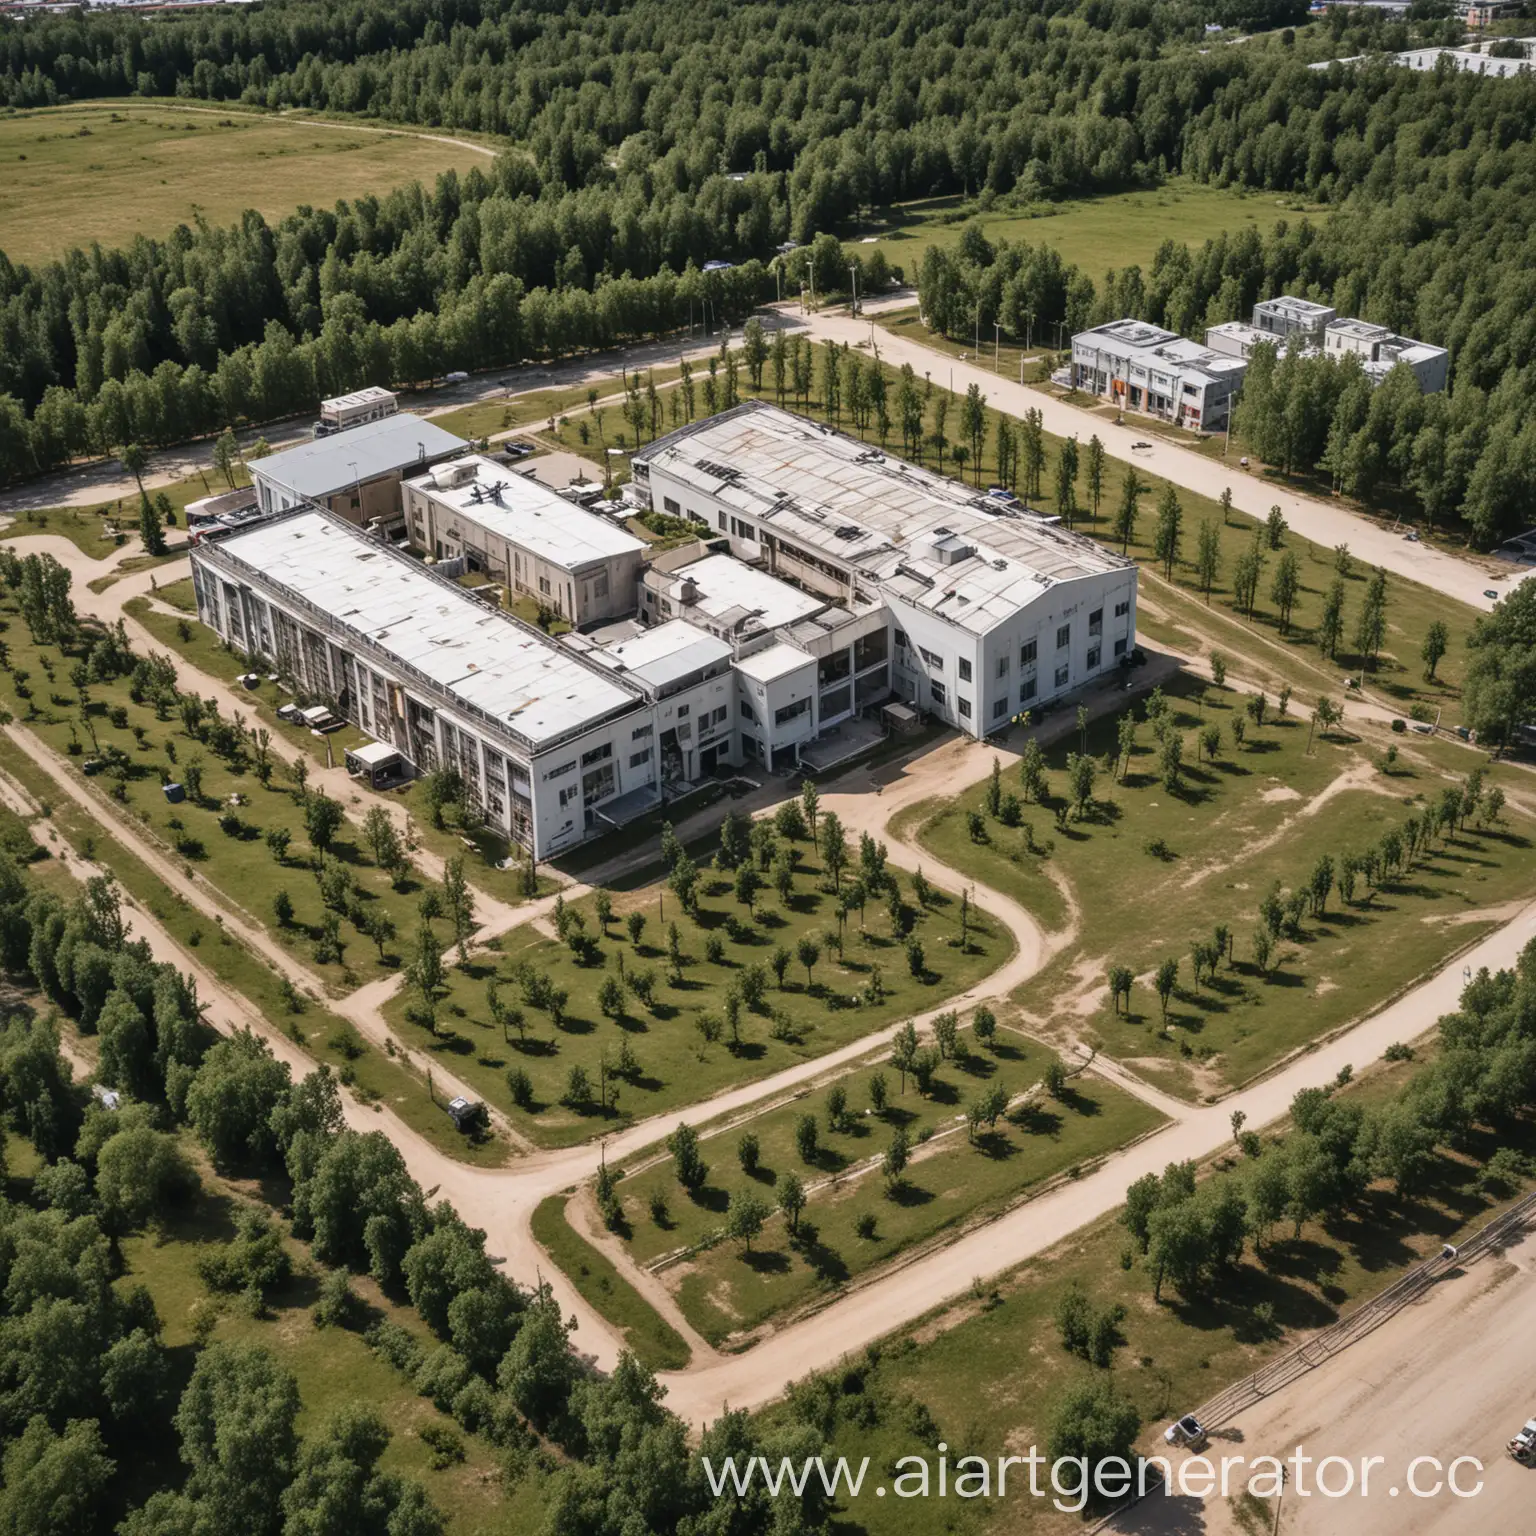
{"x": 645, "y": 144}
{"x": 101, "y": 1427}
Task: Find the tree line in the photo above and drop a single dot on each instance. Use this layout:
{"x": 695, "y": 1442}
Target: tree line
{"x": 85, "y": 1384}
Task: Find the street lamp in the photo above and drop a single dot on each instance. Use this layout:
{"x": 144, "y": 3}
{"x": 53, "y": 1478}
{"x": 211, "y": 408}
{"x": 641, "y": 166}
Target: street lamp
{"x": 997, "y": 344}
{"x": 853, "y": 277}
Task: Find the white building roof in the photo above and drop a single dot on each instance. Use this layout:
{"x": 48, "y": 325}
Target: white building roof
{"x": 776, "y": 661}
{"x": 524, "y": 512}
{"x": 330, "y": 464}
{"x": 373, "y": 395}
{"x": 1137, "y": 341}
{"x": 878, "y": 516}
{"x": 480, "y": 656}
{"x": 666, "y": 654}
{"x": 725, "y": 588}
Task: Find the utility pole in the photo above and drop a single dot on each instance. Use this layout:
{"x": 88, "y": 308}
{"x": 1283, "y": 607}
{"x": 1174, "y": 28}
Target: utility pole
{"x": 997, "y": 344}
{"x": 853, "y": 278}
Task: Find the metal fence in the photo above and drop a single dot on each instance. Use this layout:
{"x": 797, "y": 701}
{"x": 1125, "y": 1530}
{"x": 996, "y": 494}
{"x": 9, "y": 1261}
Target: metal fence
{"x": 1340, "y": 1335}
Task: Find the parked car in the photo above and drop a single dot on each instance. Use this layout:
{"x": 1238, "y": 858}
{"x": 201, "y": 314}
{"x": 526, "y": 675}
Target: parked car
{"x": 466, "y": 1114}
{"x": 1188, "y": 1432}
{"x": 1523, "y": 1446}
{"x": 1491, "y": 595}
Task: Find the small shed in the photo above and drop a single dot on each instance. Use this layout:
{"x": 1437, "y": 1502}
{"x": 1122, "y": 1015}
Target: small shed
{"x": 378, "y": 764}
{"x": 901, "y": 719}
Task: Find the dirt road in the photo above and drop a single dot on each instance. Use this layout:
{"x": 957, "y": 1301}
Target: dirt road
{"x": 502, "y": 1201}
{"x": 1453, "y": 1376}
{"x": 1319, "y": 521}
{"x": 868, "y": 1313}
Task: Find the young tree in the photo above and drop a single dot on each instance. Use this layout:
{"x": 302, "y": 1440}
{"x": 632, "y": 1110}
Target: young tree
{"x": 1094, "y": 468}
{"x": 791, "y": 1201}
{"x": 687, "y": 1162}
{"x": 1170, "y": 519}
{"x": 1436, "y": 643}
{"x": 1274, "y": 528}
{"x": 1167, "y": 980}
{"x": 1330, "y": 624}
{"x": 1124, "y": 527}
{"x": 1371, "y": 623}
{"x": 897, "y": 1156}
{"x": 810, "y": 801}
{"x": 1208, "y": 558}
{"x": 1032, "y": 771}
{"x": 426, "y": 974}
{"x": 807, "y": 1138}
{"x": 808, "y": 952}
{"x": 984, "y": 1024}
{"x": 745, "y": 1216}
{"x": 1285, "y": 586}
{"x": 1120, "y": 979}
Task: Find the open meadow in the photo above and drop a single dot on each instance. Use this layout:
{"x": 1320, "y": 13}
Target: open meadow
{"x": 1154, "y": 863}
{"x": 1094, "y": 233}
{"x": 110, "y": 172}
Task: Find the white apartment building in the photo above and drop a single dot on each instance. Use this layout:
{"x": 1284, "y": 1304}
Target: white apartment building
{"x": 1381, "y": 351}
{"x": 1287, "y": 322}
{"x": 553, "y": 749}
{"x": 1144, "y": 368}
{"x": 525, "y": 536}
{"x": 940, "y": 597}
{"x": 1283, "y": 317}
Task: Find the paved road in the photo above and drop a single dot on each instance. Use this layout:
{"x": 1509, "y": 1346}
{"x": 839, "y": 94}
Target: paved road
{"x": 1320, "y": 521}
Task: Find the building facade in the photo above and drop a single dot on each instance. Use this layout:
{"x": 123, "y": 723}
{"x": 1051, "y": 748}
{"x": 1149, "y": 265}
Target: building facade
{"x": 935, "y": 595}
{"x": 1144, "y": 368}
{"x": 546, "y": 743}
{"x": 529, "y": 538}
{"x": 357, "y": 473}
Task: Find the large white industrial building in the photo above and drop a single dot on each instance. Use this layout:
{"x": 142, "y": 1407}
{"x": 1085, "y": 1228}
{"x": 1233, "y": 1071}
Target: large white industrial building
{"x": 956, "y": 603}
{"x": 830, "y": 582}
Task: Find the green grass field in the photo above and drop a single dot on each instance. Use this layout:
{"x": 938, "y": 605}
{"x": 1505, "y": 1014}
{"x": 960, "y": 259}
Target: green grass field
{"x": 1094, "y": 233}
{"x": 726, "y": 1292}
{"x": 108, "y": 172}
{"x": 674, "y": 1064}
{"x": 987, "y": 1378}
{"x": 597, "y": 1278}
{"x": 221, "y": 838}
{"x": 374, "y": 1077}
{"x": 1260, "y": 814}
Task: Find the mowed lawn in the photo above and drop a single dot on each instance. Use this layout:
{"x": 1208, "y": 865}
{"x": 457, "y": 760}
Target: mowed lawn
{"x": 111, "y": 171}
{"x": 672, "y": 1063}
{"x": 725, "y": 1291}
{"x": 1095, "y": 233}
{"x": 1151, "y": 872}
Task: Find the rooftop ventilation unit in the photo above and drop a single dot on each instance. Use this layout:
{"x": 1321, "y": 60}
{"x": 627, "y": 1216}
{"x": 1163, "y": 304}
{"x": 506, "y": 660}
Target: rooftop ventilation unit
{"x": 688, "y": 592}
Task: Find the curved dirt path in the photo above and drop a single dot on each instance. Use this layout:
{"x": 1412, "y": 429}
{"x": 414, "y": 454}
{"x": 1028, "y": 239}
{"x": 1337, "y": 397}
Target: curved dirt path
{"x": 502, "y": 1200}
{"x": 885, "y": 1304}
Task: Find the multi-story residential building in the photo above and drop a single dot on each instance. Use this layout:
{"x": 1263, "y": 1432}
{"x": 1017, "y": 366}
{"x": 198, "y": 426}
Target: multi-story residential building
{"x": 527, "y": 537}
{"x": 356, "y": 474}
{"x": 1283, "y": 317}
{"x": 1144, "y": 368}
{"x": 968, "y": 608}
